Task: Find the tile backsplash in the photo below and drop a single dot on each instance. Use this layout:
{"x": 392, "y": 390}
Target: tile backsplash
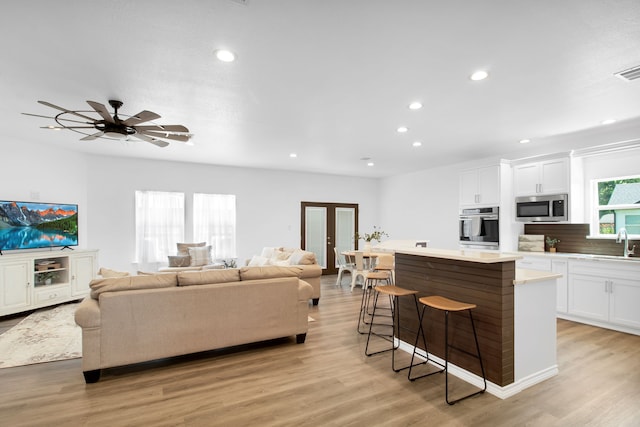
{"x": 573, "y": 239}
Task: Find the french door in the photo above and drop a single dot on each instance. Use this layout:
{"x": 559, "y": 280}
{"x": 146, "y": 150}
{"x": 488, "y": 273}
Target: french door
{"x": 326, "y": 226}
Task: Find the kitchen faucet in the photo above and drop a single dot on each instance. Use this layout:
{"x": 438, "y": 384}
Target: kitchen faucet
{"x": 627, "y": 251}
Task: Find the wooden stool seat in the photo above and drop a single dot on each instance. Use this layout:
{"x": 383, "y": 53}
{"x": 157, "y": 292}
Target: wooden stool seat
{"x": 446, "y": 304}
{"x": 377, "y": 275}
{"x": 395, "y": 291}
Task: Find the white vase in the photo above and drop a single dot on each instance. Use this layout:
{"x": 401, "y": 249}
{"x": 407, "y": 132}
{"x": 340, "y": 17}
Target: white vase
{"x": 367, "y": 247}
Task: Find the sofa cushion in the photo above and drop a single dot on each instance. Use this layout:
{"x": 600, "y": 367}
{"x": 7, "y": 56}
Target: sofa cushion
{"x": 206, "y": 277}
{"x": 129, "y": 283}
{"x": 200, "y": 256}
{"x": 269, "y": 272}
{"x": 183, "y": 248}
{"x": 179, "y": 261}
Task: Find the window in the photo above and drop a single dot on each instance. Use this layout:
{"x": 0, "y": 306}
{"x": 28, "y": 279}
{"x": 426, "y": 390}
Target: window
{"x": 214, "y": 222}
{"x": 159, "y": 225}
{"x": 617, "y": 205}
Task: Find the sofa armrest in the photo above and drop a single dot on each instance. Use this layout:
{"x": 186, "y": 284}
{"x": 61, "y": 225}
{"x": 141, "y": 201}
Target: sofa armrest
{"x": 305, "y": 291}
{"x": 87, "y": 314}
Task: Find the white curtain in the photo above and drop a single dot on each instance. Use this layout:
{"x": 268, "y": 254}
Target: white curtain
{"x": 159, "y": 226}
{"x": 214, "y": 222}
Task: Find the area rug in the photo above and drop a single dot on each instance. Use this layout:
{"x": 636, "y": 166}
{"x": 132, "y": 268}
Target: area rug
{"x": 43, "y": 336}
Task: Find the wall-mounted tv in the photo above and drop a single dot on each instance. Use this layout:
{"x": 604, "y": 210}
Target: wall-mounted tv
{"x": 33, "y": 225}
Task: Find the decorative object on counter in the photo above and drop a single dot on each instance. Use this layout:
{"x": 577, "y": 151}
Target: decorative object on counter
{"x": 551, "y": 243}
{"x": 531, "y": 243}
{"x": 376, "y": 235}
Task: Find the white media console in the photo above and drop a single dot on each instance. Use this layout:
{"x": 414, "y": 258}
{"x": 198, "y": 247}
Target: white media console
{"x": 30, "y": 280}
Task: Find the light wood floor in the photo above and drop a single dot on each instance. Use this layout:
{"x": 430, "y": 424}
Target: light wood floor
{"x": 325, "y": 382}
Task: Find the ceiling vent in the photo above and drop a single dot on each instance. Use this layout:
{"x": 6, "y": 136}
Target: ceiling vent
{"x": 630, "y": 74}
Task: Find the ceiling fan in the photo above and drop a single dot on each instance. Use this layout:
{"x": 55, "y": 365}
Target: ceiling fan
{"x": 114, "y": 127}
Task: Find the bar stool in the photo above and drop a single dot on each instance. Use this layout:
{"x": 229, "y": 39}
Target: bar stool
{"x": 385, "y": 263}
{"x": 448, "y": 305}
{"x": 371, "y": 280}
{"x": 394, "y": 292}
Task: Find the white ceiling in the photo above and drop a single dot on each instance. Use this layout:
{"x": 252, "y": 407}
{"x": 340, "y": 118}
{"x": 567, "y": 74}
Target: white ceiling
{"x": 327, "y": 79}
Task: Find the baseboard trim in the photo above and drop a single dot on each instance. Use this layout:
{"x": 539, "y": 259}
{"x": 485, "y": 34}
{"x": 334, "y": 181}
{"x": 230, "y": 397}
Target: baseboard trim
{"x": 502, "y": 392}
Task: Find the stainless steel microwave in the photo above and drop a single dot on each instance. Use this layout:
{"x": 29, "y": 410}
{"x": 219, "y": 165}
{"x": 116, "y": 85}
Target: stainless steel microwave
{"x": 542, "y": 208}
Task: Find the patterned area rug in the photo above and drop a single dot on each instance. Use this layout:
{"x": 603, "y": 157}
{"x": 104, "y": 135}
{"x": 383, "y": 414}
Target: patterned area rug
{"x": 44, "y": 336}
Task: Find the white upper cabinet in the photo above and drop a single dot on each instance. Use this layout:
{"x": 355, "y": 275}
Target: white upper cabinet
{"x": 480, "y": 187}
{"x": 545, "y": 177}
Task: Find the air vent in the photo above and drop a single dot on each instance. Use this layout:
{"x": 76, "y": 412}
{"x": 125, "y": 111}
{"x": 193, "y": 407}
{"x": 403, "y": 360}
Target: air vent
{"x": 630, "y": 74}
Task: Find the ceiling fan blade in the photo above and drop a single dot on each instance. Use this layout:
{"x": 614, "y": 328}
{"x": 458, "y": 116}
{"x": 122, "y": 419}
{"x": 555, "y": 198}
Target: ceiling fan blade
{"x": 92, "y": 137}
{"x": 154, "y": 141}
{"x": 102, "y": 110}
{"x": 53, "y": 118}
{"x": 167, "y": 128}
{"x": 67, "y": 127}
{"x": 141, "y": 117}
{"x": 48, "y": 104}
{"x": 182, "y": 138}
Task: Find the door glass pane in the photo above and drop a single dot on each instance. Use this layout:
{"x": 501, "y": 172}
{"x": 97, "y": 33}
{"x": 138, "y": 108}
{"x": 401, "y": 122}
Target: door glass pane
{"x": 345, "y": 229}
{"x": 316, "y": 233}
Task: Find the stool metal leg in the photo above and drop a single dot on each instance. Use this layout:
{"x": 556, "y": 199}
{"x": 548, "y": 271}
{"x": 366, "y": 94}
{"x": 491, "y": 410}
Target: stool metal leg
{"x": 373, "y": 315}
{"x": 446, "y": 360}
{"x": 426, "y": 350}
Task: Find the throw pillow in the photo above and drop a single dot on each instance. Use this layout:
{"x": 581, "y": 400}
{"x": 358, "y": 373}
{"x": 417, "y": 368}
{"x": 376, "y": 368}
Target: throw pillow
{"x": 258, "y": 261}
{"x": 183, "y": 248}
{"x": 300, "y": 257}
{"x": 179, "y": 261}
{"x": 200, "y": 256}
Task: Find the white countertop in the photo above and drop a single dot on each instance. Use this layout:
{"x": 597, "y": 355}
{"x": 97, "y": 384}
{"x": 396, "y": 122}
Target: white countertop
{"x": 461, "y": 254}
{"x": 565, "y": 255}
{"x": 524, "y": 276}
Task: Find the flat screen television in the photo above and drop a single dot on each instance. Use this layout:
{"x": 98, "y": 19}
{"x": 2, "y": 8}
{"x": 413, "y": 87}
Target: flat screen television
{"x": 33, "y": 225}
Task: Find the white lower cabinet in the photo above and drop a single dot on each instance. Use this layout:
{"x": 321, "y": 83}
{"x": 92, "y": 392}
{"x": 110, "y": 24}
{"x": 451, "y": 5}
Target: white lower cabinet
{"x": 30, "y": 280}
{"x": 547, "y": 264}
{"x": 16, "y": 286}
{"x": 605, "y": 292}
{"x": 562, "y": 301}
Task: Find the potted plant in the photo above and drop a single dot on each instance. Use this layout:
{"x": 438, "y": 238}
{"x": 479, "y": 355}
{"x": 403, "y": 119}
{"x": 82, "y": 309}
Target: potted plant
{"x": 376, "y": 235}
{"x": 47, "y": 277}
{"x": 551, "y": 243}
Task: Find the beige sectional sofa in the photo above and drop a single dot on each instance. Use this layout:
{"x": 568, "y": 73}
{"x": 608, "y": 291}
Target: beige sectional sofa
{"x": 310, "y": 271}
{"x": 134, "y": 319}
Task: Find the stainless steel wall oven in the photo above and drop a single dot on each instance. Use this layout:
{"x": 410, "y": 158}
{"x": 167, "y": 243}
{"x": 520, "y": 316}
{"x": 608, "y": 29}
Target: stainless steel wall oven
{"x": 480, "y": 228}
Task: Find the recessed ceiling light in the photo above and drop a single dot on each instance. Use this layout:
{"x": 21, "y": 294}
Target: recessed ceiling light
{"x": 479, "y": 75}
{"x": 608, "y": 121}
{"x": 402, "y": 129}
{"x": 415, "y": 105}
{"x": 370, "y": 164}
{"x": 525, "y": 141}
{"x": 225, "y": 55}
{"x": 293, "y": 155}
{"x": 417, "y": 144}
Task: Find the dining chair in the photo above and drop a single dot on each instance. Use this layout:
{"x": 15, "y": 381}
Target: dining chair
{"x": 343, "y": 265}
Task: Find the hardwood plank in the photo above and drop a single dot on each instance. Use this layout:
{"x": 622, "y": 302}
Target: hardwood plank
{"x": 326, "y": 381}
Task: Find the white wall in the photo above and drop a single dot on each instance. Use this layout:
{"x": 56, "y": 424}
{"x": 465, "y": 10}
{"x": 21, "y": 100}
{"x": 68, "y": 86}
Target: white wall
{"x": 422, "y": 205}
{"x": 268, "y": 202}
{"x": 37, "y": 173}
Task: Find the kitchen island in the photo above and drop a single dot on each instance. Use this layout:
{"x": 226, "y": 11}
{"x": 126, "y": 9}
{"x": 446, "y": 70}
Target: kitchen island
{"x": 515, "y": 315}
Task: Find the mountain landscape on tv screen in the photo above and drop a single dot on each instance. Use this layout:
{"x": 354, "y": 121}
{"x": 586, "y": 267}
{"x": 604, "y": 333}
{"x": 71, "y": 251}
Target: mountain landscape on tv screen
{"x": 25, "y": 225}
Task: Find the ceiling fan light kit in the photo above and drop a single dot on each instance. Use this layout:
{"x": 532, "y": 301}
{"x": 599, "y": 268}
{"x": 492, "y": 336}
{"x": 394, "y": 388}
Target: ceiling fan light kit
{"x": 113, "y": 127}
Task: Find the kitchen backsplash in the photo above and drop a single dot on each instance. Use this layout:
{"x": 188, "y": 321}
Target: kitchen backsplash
{"x": 573, "y": 239}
